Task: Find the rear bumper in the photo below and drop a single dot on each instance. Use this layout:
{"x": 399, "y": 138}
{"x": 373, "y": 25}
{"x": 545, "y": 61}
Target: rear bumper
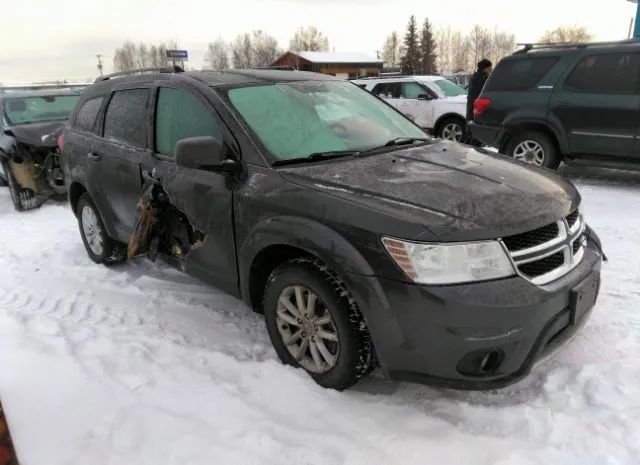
{"x": 441, "y": 335}
{"x": 488, "y": 135}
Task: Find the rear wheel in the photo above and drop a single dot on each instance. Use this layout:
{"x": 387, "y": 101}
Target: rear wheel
{"x": 534, "y": 147}
{"x": 452, "y": 129}
{"x": 100, "y": 247}
{"x": 315, "y": 324}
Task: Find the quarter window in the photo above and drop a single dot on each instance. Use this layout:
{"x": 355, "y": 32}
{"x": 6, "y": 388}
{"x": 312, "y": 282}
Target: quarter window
{"x": 126, "y": 117}
{"x": 180, "y": 115}
{"x": 88, "y": 113}
{"x": 520, "y": 73}
{"x": 615, "y": 73}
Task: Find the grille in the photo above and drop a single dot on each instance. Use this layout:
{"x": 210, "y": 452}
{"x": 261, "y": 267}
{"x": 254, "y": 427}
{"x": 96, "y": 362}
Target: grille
{"x": 573, "y": 218}
{"x": 543, "y": 266}
{"x": 532, "y": 238}
{"x": 579, "y": 242}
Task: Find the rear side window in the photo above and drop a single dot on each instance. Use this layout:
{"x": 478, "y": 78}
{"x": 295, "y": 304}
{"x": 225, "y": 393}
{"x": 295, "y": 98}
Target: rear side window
{"x": 126, "y": 117}
{"x": 520, "y": 74}
{"x": 88, "y": 113}
{"x": 180, "y": 115}
{"x": 615, "y": 73}
{"x": 387, "y": 90}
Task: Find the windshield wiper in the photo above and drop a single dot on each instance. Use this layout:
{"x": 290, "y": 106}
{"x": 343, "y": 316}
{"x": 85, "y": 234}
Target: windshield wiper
{"x": 397, "y": 142}
{"x": 316, "y": 156}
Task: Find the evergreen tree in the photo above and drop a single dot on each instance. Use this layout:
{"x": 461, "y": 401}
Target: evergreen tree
{"x": 410, "y": 61}
{"x": 428, "y": 49}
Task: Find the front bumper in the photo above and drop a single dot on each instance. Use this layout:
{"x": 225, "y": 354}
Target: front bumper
{"x": 444, "y": 335}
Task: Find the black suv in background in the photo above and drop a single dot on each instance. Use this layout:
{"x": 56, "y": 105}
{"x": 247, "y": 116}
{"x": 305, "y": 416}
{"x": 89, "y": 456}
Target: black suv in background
{"x": 362, "y": 242}
{"x": 573, "y": 103}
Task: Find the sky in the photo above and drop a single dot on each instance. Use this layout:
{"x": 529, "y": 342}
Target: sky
{"x": 48, "y": 40}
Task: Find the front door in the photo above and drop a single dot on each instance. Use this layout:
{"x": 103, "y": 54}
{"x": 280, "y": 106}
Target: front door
{"x": 114, "y": 160}
{"x": 417, "y": 102}
{"x": 204, "y": 197}
{"x": 599, "y": 105}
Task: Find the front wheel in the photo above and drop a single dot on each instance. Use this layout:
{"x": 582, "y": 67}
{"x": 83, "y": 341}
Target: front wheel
{"x": 535, "y": 148}
{"x": 452, "y": 129}
{"x": 100, "y": 247}
{"x": 315, "y": 324}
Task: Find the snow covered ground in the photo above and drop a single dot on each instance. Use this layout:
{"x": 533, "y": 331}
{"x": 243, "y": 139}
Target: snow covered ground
{"x": 140, "y": 364}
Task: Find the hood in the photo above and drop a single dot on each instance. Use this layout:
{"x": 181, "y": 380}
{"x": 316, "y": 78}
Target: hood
{"x": 461, "y": 99}
{"x": 38, "y": 134}
{"x": 452, "y": 190}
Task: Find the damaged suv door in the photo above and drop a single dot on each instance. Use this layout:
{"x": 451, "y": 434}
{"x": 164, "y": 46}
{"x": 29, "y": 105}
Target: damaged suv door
{"x": 198, "y": 231}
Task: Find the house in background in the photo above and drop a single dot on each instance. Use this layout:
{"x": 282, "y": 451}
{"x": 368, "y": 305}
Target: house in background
{"x": 345, "y": 65}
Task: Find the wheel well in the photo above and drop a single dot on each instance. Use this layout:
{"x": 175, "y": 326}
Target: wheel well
{"x": 263, "y": 265}
{"x": 513, "y": 131}
{"x": 447, "y": 117}
{"x": 75, "y": 191}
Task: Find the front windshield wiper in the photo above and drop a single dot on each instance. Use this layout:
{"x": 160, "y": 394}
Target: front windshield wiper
{"x": 316, "y": 156}
{"x": 397, "y": 142}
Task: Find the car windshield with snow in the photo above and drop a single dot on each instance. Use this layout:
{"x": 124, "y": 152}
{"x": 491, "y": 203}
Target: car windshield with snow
{"x": 362, "y": 242}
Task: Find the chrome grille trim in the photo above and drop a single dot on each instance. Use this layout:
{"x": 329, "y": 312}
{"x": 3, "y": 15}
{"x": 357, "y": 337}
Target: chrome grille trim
{"x": 563, "y": 242}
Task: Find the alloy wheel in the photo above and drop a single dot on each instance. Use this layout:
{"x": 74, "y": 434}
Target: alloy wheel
{"x": 453, "y": 132}
{"x": 529, "y": 151}
{"x": 92, "y": 230}
{"x": 307, "y": 329}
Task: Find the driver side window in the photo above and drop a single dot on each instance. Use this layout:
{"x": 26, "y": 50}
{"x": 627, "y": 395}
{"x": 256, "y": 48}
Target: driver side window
{"x": 412, "y": 90}
{"x": 179, "y": 115}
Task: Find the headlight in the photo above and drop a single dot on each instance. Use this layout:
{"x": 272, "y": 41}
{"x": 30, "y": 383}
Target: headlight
{"x": 450, "y": 263}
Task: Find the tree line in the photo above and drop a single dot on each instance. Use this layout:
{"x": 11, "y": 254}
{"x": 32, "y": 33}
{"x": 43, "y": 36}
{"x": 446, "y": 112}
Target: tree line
{"x": 423, "y": 51}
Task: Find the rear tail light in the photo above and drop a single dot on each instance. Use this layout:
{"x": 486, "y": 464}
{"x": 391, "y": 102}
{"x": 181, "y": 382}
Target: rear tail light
{"x": 61, "y": 142}
{"x": 480, "y": 105}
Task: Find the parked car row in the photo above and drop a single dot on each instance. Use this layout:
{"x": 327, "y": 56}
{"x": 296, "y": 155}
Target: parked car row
{"x": 363, "y": 242}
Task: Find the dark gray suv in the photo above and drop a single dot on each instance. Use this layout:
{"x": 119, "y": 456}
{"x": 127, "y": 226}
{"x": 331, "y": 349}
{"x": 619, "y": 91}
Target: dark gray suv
{"x": 362, "y": 242}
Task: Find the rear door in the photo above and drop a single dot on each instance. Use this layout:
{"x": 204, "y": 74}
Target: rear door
{"x": 388, "y": 91}
{"x": 204, "y": 197}
{"x": 599, "y": 104}
{"x": 117, "y": 156}
{"x": 418, "y": 103}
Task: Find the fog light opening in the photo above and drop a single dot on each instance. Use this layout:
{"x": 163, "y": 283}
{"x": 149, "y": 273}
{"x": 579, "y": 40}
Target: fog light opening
{"x": 490, "y": 361}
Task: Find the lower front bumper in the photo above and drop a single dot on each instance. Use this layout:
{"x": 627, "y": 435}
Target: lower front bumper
{"x": 444, "y": 335}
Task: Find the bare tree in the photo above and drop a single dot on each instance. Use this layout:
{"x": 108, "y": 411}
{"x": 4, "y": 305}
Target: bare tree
{"x": 445, "y": 47}
{"x": 461, "y": 52}
{"x": 130, "y": 56}
{"x": 241, "y": 51}
{"x": 217, "y": 55}
{"x": 503, "y": 44}
{"x": 392, "y": 50}
{"x": 480, "y": 43}
{"x": 309, "y": 39}
{"x": 567, "y": 34}
{"x": 264, "y": 49}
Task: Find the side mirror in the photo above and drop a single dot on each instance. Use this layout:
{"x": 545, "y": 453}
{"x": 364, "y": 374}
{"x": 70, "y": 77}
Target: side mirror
{"x": 202, "y": 153}
{"x": 425, "y": 97}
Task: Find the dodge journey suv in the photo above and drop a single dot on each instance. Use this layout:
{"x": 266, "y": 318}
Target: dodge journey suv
{"x": 364, "y": 243}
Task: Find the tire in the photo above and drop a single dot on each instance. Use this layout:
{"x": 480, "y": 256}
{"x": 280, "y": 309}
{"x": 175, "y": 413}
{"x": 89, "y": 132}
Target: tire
{"x": 453, "y": 129}
{"x": 534, "y": 147}
{"x": 351, "y": 354}
{"x": 100, "y": 247}
{"x": 22, "y": 199}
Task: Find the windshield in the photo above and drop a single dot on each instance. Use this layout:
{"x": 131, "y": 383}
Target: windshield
{"x": 39, "y": 109}
{"x": 446, "y": 88}
{"x": 294, "y": 120}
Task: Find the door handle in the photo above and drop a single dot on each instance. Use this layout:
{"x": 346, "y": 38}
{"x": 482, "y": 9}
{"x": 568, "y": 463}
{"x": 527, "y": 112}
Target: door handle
{"x": 94, "y": 156}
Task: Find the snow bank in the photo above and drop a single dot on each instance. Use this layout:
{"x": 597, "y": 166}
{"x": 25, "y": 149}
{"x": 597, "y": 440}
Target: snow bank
{"x": 140, "y": 364}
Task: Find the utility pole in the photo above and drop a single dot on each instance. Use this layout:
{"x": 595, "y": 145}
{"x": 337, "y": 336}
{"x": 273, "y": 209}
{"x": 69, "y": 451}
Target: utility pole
{"x": 99, "y": 57}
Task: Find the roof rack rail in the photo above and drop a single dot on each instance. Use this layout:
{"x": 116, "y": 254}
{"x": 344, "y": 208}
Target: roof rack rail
{"x": 158, "y": 69}
{"x": 550, "y": 45}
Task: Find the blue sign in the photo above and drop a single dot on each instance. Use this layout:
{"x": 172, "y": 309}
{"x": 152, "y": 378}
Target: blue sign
{"x": 179, "y": 55}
